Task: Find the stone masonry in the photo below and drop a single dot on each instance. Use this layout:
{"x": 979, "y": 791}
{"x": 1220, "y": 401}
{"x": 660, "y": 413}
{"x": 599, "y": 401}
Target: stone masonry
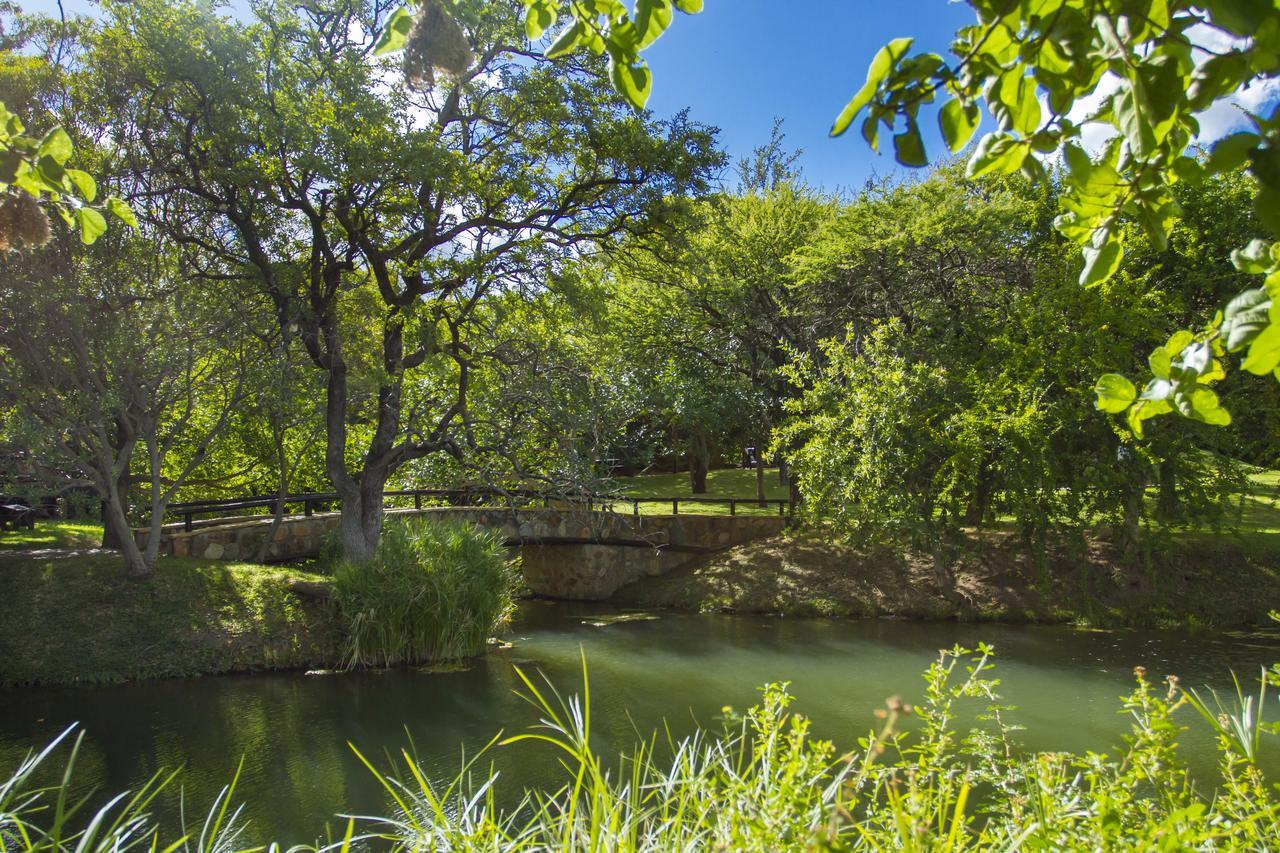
{"x": 565, "y": 553}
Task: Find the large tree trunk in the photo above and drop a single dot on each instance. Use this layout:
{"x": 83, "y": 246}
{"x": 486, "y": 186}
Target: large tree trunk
{"x": 699, "y": 462}
{"x": 980, "y": 500}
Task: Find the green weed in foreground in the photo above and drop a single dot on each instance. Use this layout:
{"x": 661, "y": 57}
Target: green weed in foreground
{"x": 763, "y": 783}
{"x": 432, "y": 592}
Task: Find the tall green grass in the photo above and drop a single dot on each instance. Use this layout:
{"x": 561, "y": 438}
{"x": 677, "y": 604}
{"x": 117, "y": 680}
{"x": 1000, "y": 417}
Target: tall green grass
{"x": 432, "y": 592}
{"x": 762, "y": 782}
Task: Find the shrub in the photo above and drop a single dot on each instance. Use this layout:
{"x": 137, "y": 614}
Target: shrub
{"x": 432, "y": 592}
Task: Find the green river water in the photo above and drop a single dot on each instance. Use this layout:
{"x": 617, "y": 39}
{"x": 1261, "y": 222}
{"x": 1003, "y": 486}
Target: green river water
{"x": 293, "y": 730}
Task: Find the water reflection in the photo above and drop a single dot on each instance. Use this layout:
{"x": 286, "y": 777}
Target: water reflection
{"x": 292, "y": 730}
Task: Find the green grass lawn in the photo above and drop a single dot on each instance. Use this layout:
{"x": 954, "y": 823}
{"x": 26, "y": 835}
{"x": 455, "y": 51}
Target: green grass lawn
{"x": 52, "y": 534}
{"x": 737, "y": 483}
{"x": 75, "y": 619}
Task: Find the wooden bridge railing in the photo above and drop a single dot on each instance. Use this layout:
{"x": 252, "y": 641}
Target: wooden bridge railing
{"x": 225, "y": 511}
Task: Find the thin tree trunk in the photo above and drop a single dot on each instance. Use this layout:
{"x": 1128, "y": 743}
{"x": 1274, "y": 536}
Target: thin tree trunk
{"x": 1168, "y": 506}
{"x": 699, "y": 462}
{"x": 760, "y": 493}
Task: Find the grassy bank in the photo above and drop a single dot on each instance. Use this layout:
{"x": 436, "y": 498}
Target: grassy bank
{"x": 739, "y": 483}
{"x": 1184, "y": 580}
{"x": 52, "y": 534}
{"x": 78, "y": 618}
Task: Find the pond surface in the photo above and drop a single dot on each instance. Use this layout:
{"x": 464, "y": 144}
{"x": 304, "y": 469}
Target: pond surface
{"x": 292, "y": 730}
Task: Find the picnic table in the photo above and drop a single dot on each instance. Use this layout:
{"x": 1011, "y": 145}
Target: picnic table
{"x": 15, "y": 514}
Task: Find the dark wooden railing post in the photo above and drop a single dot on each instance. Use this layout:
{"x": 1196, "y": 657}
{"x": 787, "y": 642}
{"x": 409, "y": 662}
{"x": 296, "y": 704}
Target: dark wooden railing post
{"x": 308, "y": 508}
{"x": 417, "y": 500}
{"x": 733, "y": 507}
{"x": 675, "y": 506}
{"x": 186, "y": 522}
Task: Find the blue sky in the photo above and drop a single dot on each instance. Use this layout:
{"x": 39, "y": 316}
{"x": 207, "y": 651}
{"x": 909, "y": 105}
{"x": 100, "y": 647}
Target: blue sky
{"x": 742, "y": 62}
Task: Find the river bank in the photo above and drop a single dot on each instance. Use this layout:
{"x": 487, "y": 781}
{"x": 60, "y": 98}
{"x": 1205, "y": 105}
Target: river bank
{"x": 74, "y": 617}
{"x": 1182, "y": 580}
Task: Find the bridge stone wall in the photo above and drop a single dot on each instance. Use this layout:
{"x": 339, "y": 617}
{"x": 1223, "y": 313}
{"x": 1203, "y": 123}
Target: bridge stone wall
{"x": 565, "y": 553}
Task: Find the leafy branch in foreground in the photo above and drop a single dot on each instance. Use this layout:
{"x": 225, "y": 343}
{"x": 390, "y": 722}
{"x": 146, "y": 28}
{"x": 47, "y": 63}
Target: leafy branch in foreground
{"x": 35, "y": 170}
{"x": 432, "y": 39}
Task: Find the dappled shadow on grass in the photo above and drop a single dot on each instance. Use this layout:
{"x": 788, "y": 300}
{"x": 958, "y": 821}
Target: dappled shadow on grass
{"x": 51, "y": 534}
{"x": 1181, "y": 579}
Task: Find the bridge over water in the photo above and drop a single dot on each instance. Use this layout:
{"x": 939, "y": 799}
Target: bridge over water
{"x": 572, "y": 552}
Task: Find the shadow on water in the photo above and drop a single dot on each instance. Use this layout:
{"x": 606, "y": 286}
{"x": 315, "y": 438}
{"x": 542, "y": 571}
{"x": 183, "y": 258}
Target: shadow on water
{"x": 292, "y": 730}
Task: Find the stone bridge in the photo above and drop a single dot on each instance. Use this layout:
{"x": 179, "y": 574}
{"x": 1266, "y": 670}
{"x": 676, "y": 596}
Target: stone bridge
{"x": 564, "y": 553}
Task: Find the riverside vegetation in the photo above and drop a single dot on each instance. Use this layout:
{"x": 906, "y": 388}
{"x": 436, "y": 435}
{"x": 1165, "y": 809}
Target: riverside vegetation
{"x": 761, "y": 781}
{"x": 432, "y": 592}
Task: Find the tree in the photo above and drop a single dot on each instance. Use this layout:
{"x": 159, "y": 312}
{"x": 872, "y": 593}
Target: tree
{"x": 118, "y": 361}
{"x": 376, "y": 218}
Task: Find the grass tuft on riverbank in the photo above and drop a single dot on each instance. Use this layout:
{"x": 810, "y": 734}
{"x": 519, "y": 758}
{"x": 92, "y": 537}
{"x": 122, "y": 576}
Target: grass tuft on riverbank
{"x": 77, "y": 619}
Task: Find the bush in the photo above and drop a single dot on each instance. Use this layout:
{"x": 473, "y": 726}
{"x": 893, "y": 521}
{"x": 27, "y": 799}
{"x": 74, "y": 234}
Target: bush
{"x": 432, "y": 592}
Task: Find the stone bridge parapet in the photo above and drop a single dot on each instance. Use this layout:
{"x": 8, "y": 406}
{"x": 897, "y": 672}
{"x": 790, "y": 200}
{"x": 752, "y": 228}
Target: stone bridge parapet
{"x": 566, "y": 553}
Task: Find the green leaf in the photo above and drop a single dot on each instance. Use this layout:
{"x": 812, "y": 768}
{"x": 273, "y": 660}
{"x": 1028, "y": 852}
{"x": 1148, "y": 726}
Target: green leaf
{"x": 633, "y": 80}
{"x": 1115, "y": 393}
{"x": 908, "y": 147}
{"x": 1264, "y": 352}
{"x": 539, "y": 17}
{"x": 1246, "y": 315}
{"x": 1253, "y": 259}
{"x": 689, "y": 7}
{"x": 122, "y": 211}
{"x": 84, "y": 184}
{"x": 395, "y": 33}
{"x": 997, "y": 152}
{"x": 1101, "y": 258}
{"x": 92, "y": 224}
{"x": 56, "y": 145}
{"x": 1131, "y": 119}
{"x": 958, "y": 121}
{"x": 1232, "y": 151}
{"x": 570, "y": 37}
{"x": 652, "y": 19}
{"x": 883, "y": 62}
{"x": 1160, "y": 362}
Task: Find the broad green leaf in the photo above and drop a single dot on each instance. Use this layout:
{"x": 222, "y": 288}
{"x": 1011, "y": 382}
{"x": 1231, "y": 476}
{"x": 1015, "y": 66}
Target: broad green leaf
{"x": 84, "y": 184}
{"x": 1254, "y": 259}
{"x": 122, "y": 211}
{"x": 1264, "y": 352}
{"x": 92, "y": 224}
{"x": 958, "y": 121}
{"x": 652, "y": 19}
{"x": 1131, "y": 119}
{"x": 997, "y": 152}
{"x": 883, "y": 62}
{"x": 1101, "y": 258}
{"x": 1232, "y": 151}
{"x": 633, "y": 80}
{"x": 568, "y": 39}
{"x": 1160, "y": 362}
{"x": 539, "y": 17}
{"x": 395, "y": 33}
{"x": 689, "y": 7}
{"x": 1115, "y": 393}
{"x": 908, "y": 147}
{"x": 56, "y": 145}
{"x": 1246, "y": 315}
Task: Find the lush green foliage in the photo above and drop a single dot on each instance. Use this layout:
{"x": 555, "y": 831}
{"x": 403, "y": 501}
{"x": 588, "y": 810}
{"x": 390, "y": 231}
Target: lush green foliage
{"x": 431, "y": 592}
{"x": 764, "y": 782}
